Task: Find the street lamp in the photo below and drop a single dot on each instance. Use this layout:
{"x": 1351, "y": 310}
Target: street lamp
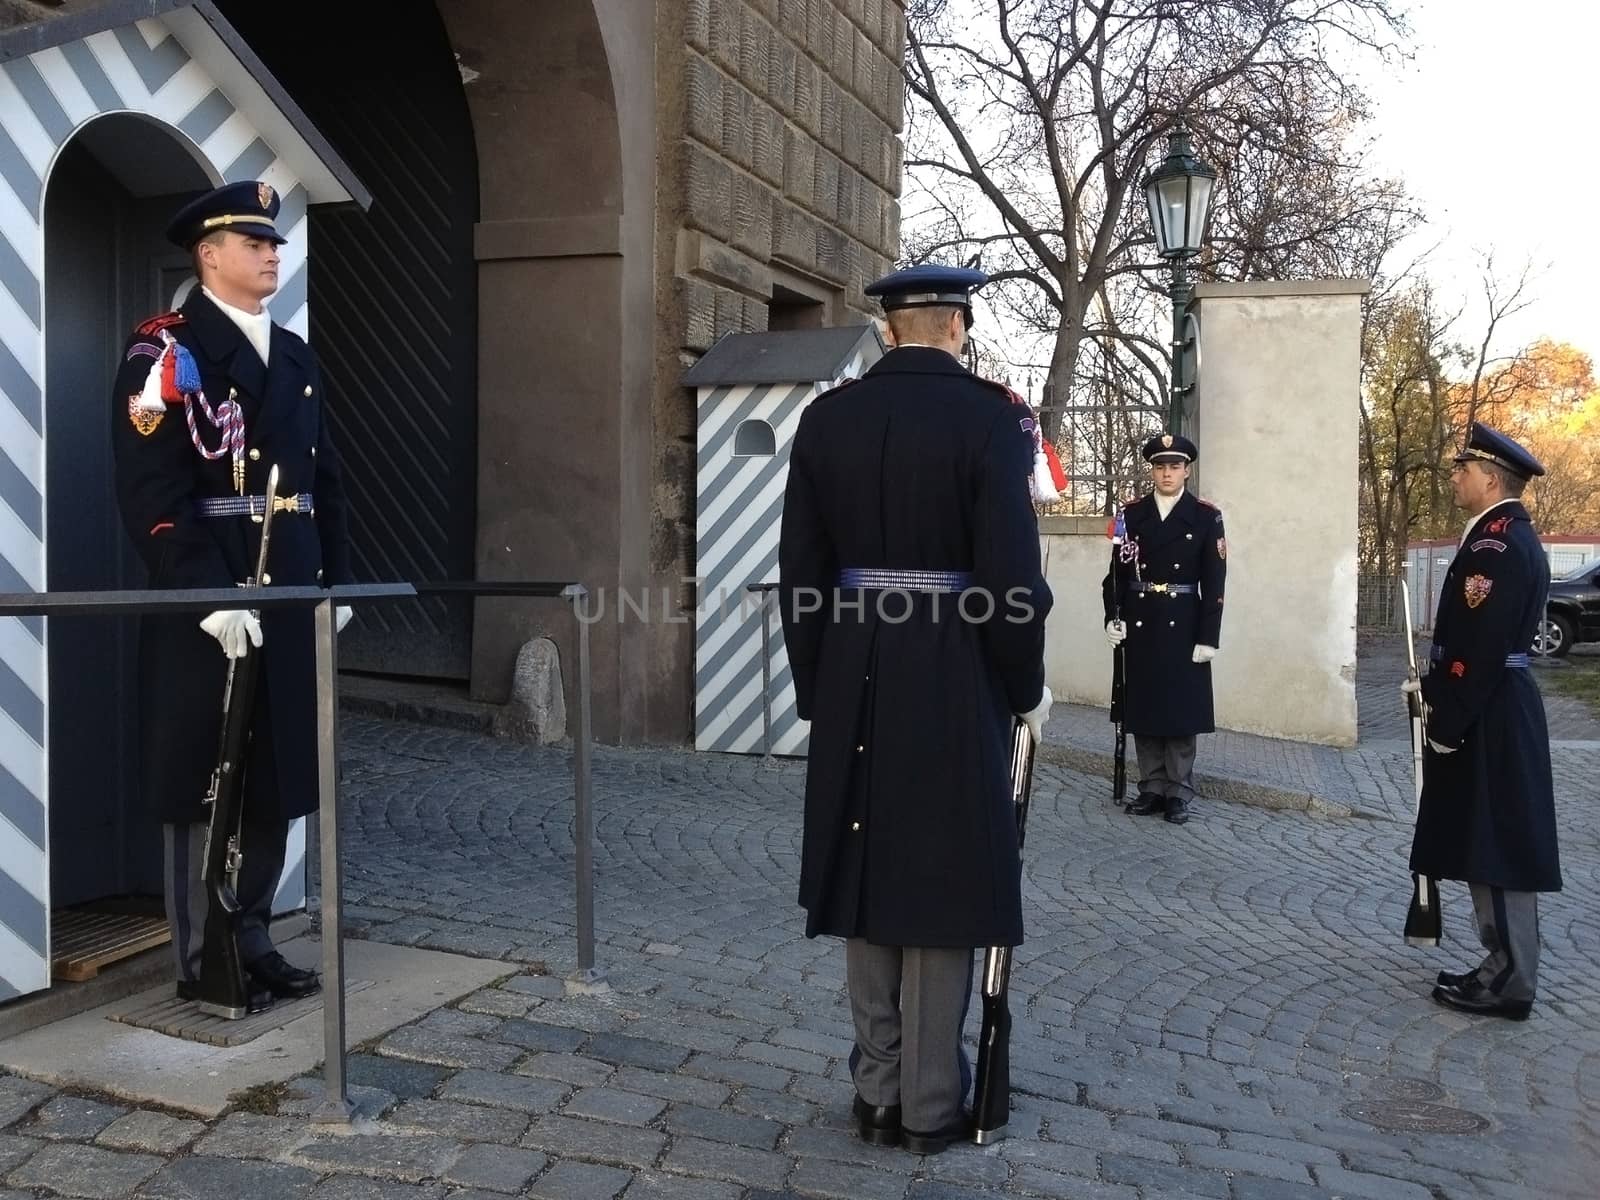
{"x": 1178, "y": 193}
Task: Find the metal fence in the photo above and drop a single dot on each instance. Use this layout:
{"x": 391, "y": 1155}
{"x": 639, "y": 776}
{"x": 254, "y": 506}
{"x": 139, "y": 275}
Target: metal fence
{"x": 1099, "y": 446}
{"x": 1378, "y": 603}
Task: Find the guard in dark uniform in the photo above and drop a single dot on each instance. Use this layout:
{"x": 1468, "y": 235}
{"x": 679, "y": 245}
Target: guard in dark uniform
{"x": 913, "y": 612}
{"x": 1163, "y": 595}
{"x": 207, "y": 400}
{"x": 1488, "y": 806}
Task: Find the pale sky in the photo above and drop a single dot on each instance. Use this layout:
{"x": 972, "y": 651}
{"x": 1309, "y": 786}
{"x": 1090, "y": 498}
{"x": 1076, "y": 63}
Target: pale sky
{"x": 1493, "y": 128}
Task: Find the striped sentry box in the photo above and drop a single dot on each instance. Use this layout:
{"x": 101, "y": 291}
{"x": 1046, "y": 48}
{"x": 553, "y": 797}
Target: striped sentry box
{"x": 176, "y": 71}
{"x": 744, "y": 432}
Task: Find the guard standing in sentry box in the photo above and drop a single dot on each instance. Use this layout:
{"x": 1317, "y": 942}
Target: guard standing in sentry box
{"x": 207, "y": 401}
{"x": 1163, "y": 606}
{"x": 913, "y": 611}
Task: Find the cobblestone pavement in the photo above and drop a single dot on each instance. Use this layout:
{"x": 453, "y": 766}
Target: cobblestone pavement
{"x": 1374, "y": 777}
{"x": 1207, "y": 1011}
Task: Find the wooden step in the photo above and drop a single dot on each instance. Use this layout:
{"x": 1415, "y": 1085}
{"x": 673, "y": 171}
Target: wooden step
{"x": 83, "y": 940}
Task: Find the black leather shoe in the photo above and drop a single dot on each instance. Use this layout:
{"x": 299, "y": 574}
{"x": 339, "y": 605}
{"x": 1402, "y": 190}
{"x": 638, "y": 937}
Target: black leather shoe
{"x": 959, "y": 1130}
{"x": 1147, "y": 804}
{"x": 260, "y": 998}
{"x": 1177, "y": 810}
{"x": 1473, "y": 997}
{"x": 282, "y": 978}
{"x": 1450, "y": 979}
{"x": 878, "y": 1125}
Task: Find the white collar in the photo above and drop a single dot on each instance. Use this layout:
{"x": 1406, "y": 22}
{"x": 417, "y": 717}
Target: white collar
{"x": 256, "y": 326}
{"x": 1165, "y": 504}
{"x": 1472, "y": 523}
{"x": 924, "y": 346}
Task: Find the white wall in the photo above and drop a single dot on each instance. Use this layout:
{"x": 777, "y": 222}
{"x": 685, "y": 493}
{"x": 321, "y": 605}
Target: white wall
{"x": 1277, "y": 425}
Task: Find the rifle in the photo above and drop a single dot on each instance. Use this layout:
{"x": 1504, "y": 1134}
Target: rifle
{"x": 223, "y": 990}
{"x": 1423, "y": 922}
{"x": 1119, "y": 671}
{"x": 991, "y": 1096}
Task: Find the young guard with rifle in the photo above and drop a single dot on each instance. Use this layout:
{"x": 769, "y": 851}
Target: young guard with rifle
{"x": 1487, "y": 812}
{"x": 1163, "y": 614}
{"x": 208, "y": 400}
{"x": 906, "y": 515}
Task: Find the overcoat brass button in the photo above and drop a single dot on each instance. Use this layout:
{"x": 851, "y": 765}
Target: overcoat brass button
{"x": 855, "y": 826}
{"x": 1177, "y": 567}
{"x": 1188, "y": 537}
{"x": 1171, "y": 623}
{"x": 265, "y": 579}
{"x": 255, "y": 455}
{"x": 233, "y": 393}
{"x": 1138, "y": 624}
{"x": 308, "y": 389}
{"x": 859, "y": 749}
{"x": 313, "y": 452}
{"x": 319, "y": 574}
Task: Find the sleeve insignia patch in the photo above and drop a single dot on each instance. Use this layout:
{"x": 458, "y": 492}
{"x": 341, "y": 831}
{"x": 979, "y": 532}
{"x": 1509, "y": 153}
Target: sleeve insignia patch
{"x": 1489, "y": 544}
{"x": 1222, "y": 547}
{"x": 144, "y": 420}
{"x": 1458, "y": 669}
{"x": 1477, "y": 589}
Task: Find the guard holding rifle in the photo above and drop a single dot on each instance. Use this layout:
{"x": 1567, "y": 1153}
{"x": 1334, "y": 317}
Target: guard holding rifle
{"x": 207, "y": 400}
{"x": 1487, "y": 814}
{"x": 1163, "y": 599}
{"x": 913, "y": 612}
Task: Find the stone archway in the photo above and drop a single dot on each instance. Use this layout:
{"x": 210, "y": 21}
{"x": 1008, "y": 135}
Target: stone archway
{"x": 559, "y": 493}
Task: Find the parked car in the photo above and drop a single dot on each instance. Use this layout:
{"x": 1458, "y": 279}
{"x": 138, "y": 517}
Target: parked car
{"x": 1572, "y": 611}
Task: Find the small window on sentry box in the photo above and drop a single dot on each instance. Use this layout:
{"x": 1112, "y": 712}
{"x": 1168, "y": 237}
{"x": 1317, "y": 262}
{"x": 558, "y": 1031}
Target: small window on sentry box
{"x": 754, "y": 439}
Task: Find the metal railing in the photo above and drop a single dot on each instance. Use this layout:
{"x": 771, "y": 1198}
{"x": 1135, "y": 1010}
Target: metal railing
{"x": 336, "y": 1107}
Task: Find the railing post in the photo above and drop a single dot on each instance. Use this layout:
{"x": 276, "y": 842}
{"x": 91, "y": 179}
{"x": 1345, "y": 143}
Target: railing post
{"x": 336, "y": 1107}
{"x": 767, "y": 596}
{"x": 583, "y": 801}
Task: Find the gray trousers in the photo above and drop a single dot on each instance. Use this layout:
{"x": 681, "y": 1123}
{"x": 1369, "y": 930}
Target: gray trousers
{"x": 188, "y": 902}
{"x": 1166, "y": 765}
{"x": 909, "y": 1005}
{"x": 1508, "y": 926}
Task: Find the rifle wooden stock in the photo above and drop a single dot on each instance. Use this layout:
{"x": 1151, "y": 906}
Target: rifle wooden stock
{"x": 223, "y": 990}
{"x": 991, "y": 1095}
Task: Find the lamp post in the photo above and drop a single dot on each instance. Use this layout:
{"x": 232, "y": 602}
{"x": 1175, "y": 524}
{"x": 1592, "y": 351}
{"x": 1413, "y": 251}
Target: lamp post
{"x": 1178, "y": 193}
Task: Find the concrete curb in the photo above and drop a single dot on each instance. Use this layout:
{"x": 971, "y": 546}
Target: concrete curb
{"x": 1231, "y": 789}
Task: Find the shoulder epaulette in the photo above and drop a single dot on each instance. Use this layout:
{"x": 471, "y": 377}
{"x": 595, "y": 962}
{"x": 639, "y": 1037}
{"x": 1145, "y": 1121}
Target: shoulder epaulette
{"x": 1208, "y": 503}
{"x": 997, "y": 386}
{"x": 838, "y": 385}
{"x": 156, "y": 324}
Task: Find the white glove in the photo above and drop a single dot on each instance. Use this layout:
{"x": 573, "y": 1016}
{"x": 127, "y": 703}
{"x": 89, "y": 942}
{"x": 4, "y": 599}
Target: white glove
{"x": 1203, "y": 654}
{"x": 1410, "y": 686}
{"x": 1438, "y": 749}
{"x": 1115, "y": 632}
{"x": 341, "y": 616}
{"x": 235, "y": 628}
{"x": 1036, "y": 716}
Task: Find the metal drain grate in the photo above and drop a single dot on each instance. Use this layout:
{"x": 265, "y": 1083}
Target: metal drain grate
{"x": 1414, "y": 1116}
{"x": 1405, "y": 1089}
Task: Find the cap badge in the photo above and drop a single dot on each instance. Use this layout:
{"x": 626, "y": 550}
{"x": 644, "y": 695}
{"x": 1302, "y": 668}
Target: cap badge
{"x": 1166, "y": 440}
{"x": 264, "y": 195}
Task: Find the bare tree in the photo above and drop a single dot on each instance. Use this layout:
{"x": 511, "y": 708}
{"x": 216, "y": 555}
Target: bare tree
{"x": 1032, "y": 123}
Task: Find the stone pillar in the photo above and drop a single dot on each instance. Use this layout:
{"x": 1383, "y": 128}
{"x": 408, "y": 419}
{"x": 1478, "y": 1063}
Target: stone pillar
{"x": 1278, "y": 426}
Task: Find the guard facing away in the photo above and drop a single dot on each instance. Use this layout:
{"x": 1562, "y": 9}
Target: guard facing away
{"x": 1487, "y": 814}
{"x": 207, "y": 401}
{"x": 913, "y": 611}
{"x": 1163, "y": 606}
